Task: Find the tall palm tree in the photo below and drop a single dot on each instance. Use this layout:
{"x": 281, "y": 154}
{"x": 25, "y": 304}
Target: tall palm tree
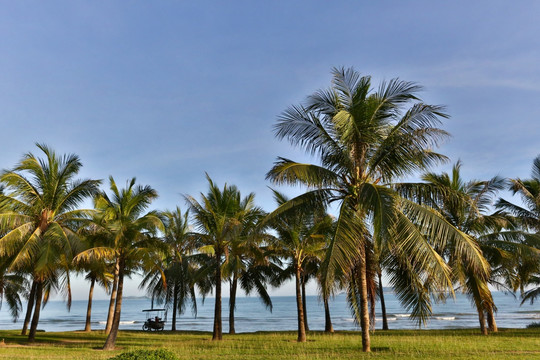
{"x": 365, "y": 140}
{"x": 133, "y": 233}
{"x": 300, "y": 237}
{"x": 218, "y": 220}
{"x": 246, "y": 262}
{"x": 317, "y": 271}
{"x": 40, "y": 218}
{"x": 464, "y": 205}
{"x": 98, "y": 270}
{"x": 527, "y": 216}
{"x": 172, "y": 281}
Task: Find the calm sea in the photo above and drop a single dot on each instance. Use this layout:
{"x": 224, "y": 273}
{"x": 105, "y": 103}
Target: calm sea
{"x": 251, "y": 315}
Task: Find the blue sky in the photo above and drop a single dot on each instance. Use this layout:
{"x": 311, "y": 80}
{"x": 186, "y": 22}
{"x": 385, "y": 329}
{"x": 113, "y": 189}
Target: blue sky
{"x": 166, "y": 91}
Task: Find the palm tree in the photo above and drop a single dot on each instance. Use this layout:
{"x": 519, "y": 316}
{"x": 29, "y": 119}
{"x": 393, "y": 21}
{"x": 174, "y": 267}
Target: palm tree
{"x": 100, "y": 273}
{"x": 246, "y": 262}
{"x": 133, "y": 233}
{"x": 527, "y": 216}
{"x": 40, "y": 218}
{"x": 173, "y": 282}
{"x": 464, "y": 204}
{"x": 12, "y": 287}
{"x": 299, "y": 235}
{"x": 365, "y": 140}
{"x": 218, "y": 219}
{"x": 317, "y": 270}
{"x": 98, "y": 270}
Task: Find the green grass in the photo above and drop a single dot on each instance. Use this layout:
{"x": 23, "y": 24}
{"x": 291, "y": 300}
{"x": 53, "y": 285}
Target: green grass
{"x": 402, "y": 344}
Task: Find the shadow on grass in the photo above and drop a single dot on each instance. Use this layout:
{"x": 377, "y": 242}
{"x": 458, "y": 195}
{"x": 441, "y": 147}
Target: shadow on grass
{"x": 381, "y": 349}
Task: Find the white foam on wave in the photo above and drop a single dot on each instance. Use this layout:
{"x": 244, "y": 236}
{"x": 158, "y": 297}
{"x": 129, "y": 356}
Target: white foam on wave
{"x": 445, "y": 317}
{"x": 121, "y": 322}
{"x": 389, "y": 319}
{"x": 402, "y": 315}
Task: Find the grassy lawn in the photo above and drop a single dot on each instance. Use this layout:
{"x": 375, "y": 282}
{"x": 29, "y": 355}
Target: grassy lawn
{"x": 402, "y": 344}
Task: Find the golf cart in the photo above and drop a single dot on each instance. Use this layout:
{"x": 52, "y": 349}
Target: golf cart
{"x": 154, "y": 319}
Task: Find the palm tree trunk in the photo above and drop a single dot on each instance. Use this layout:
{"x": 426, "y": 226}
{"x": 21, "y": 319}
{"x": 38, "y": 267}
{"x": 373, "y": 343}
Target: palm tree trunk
{"x": 88, "y": 326}
{"x": 232, "y": 304}
{"x": 299, "y": 307}
{"x": 110, "y": 343}
{"x": 364, "y": 309}
{"x": 175, "y": 304}
{"x": 217, "y": 333}
{"x": 110, "y": 314}
{"x": 492, "y": 324}
{"x": 29, "y": 308}
{"x": 383, "y": 304}
{"x": 482, "y": 320}
{"x": 304, "y": 303}
{"x": 37, "y": 309}
{"x": 327, "y": 319}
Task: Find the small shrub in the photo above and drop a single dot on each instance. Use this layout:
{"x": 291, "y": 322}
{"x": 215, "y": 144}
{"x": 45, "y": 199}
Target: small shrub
{"x": 533, "y": 325}
{"x": 146, "y": 355}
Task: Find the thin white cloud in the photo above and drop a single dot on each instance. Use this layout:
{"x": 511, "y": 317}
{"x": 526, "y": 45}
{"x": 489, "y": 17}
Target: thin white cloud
{"x": 516, "y": 72}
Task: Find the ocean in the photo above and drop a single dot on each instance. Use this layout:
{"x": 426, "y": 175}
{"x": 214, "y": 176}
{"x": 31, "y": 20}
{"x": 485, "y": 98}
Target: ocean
{"x": 251, "y": 315}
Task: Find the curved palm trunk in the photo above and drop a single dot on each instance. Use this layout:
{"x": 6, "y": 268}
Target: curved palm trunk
{"x": 299, "y": 307}
{"x": 110, "y": 343}
{"x": 232, "y": 304}
{"x": 364, "y": 309}
{"x": 383, "y": 304}
{"x": 29, "y": 308}
{"x": 217, "y": 333}
{"x": 37, "y": 309}
{"x": 110, "y": 313}
{"x": 327, "y": 319}
{"x": 304, "y": 303}
{"x": 88, "y": 326}
{"x": 482, "y": 320}
{"x": 477, "y": 287}
{"x": 492, "y": 324}
{"x": 175, "y": 304}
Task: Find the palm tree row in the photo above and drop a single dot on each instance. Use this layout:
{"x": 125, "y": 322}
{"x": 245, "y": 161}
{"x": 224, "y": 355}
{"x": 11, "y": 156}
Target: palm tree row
{"x": 429, "y": 238}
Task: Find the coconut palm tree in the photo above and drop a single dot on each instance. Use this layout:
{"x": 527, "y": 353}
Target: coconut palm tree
{"x": 218, "y": 221}
{"x": 365, "y": 140}
{"x": 133, "y": 232}
{"x": 464, "y": 205}
{"x": 247, "y": 261}
{"x": 527, "y": 216}
{"x": 172, "y": 279}
{"x": 98, "y": 270}
{"x": 300, "y": 237}
{"x": 13, "y": 286}
{"x": 40, "y": 218}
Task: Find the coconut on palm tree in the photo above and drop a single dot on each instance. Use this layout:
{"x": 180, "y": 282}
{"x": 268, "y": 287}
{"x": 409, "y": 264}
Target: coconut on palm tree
{"x": 364, "y": 140}
{"x": 39, "y": 219}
